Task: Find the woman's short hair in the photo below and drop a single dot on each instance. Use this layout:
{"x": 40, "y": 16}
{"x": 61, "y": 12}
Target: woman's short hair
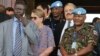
{"x": 38, "y": 12}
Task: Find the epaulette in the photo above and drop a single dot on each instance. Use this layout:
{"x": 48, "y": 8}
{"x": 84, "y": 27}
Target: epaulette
{"x": 91, "y": 26}
{"x": 68, "y": 29}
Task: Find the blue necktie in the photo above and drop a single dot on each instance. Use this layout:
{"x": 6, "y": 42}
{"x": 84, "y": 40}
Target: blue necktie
{"x": 18, "y": 41}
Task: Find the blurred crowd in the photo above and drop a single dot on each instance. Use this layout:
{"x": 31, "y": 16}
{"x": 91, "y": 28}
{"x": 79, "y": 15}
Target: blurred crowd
{"x": 50, "y": 30}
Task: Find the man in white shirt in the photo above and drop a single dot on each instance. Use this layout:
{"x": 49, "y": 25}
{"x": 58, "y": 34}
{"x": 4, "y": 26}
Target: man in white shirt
{"x": 69, "y": 7}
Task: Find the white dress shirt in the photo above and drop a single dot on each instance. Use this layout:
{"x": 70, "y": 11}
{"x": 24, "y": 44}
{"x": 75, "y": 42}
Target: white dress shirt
{"x": 63, "y": 30}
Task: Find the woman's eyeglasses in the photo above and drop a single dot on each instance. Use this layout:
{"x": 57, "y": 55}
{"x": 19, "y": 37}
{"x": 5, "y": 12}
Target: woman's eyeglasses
{"x": 34, "y": 18}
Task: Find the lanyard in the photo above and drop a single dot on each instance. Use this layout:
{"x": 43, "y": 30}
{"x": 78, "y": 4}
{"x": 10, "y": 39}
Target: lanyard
{"x": 74, "y": 36}
{"x": 74, "y": 43}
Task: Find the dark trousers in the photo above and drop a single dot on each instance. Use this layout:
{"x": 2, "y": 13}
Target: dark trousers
{"x": 96, "y": 51}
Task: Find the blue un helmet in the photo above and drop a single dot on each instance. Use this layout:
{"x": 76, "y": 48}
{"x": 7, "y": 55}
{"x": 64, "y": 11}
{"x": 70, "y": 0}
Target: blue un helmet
{"x": 79, "y": 11}
{"x": 56, "y": 4}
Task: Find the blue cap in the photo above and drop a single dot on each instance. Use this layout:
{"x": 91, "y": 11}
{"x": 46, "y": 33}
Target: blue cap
{"x": 56, "y": 4}
{"x": 79, "y": 11}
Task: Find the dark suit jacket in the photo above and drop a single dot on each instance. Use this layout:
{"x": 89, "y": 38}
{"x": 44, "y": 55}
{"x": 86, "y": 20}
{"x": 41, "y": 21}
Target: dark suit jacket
{"x": 97, "y": 27}
{"x": 97, "y": 48}
{"x": 3, "y": 17}
{"x": 58, "y": 31}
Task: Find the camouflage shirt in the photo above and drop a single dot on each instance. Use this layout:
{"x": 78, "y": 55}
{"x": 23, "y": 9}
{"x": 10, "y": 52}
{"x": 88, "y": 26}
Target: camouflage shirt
{"x": 75, "y": 41}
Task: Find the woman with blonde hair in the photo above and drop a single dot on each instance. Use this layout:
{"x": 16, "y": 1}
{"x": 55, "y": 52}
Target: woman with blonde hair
{"x": 46, "y": 39}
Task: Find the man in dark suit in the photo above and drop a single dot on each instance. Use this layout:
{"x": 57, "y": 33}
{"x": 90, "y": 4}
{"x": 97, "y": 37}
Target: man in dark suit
{"x": 68, "y": 22}
{"x": 97, "y": 48}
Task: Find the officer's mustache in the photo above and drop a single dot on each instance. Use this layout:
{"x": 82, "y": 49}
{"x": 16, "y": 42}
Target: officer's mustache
{"x": 68, "y": 14}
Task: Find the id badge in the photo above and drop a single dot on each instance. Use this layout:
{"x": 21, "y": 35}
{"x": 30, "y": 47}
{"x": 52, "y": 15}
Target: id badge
{"x": 74, "y": 45}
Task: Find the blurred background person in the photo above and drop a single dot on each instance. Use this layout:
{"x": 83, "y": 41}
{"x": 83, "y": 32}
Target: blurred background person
{"x": 97, "y": 48}
{"x": 3, "y": 16}
{"x": 96, "y": 25}
{"x": 95, "y": 20}
{"x": 46, "y": 39}
{"x": 2, "y": 8}
{"x": 45, "y": 8}
{"x": 9, "y": 11}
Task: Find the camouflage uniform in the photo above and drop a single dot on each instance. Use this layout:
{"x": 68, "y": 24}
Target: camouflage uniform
{"x": 83, "y": 38}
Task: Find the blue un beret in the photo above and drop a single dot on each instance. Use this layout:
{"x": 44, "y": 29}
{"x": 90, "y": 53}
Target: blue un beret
{"x": 56, "y": 4}
{"x": 79, "y": 11}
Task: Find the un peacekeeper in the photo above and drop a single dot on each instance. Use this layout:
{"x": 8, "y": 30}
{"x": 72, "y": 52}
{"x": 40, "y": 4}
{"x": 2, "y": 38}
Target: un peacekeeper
{"x": 53, "y": 20}
{"x": 80, "y": 39}
{"x": 55, "y": 16}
